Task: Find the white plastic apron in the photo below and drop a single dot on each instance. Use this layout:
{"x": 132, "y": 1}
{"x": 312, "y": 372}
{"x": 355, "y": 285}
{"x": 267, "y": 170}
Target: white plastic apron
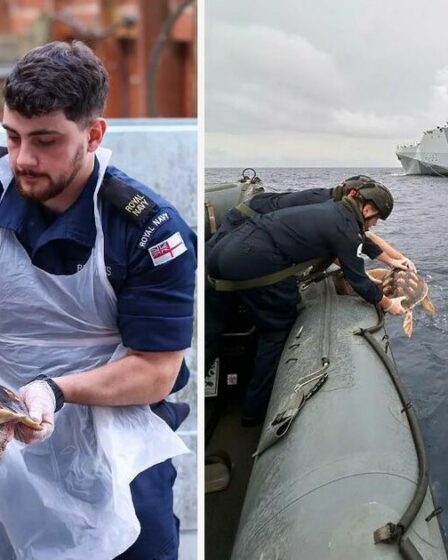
{"x": 68, "y": 498}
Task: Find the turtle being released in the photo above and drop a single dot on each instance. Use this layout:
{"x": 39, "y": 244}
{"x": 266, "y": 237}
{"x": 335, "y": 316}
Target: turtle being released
{"x": 12, "y": 411}
{"x": 399, "y": 283}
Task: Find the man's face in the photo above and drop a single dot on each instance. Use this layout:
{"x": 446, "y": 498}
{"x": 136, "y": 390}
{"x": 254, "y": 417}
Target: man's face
{"x": 46, "y": 153}
{"x": 371, "y": 215}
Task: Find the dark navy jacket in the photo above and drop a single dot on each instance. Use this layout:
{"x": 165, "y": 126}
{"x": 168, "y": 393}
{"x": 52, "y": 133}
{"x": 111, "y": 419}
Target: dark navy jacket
{"x": 264, "y": 203}
{"x": 271, "y": 242}
{"x": 154, "y": 298}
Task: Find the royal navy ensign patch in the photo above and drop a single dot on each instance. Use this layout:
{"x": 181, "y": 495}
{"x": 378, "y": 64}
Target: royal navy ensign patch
{"x": 167, "y": 250}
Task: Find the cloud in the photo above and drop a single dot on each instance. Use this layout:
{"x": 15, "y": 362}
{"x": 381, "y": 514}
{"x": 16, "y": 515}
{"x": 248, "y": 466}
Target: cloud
{"x": 372, "y": 125}
{"x": 257, "y": 75}
{"x": 338, "y": 85}
{"x": 437, "y": 111}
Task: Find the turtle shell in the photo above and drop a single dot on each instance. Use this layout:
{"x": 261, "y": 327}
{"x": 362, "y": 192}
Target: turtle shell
{"x": 13, "y": 410}
{"x": 398, "y": 283}
{"x": 6, "y": 435}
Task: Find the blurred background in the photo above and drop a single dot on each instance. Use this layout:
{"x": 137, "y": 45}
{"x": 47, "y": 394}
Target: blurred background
{"x": 149, "y": 49}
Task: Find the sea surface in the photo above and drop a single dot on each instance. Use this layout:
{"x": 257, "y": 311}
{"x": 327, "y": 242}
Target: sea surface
{"x": 418, "y": 228}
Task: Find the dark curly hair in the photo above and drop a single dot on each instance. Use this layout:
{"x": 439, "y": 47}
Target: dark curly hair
{"x": 58, "y": 76}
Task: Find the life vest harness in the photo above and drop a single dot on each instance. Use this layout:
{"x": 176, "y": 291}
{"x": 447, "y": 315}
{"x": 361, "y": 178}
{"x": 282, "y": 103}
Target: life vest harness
{"x": 246, "y": 210}
{"x": 308, "y": 271}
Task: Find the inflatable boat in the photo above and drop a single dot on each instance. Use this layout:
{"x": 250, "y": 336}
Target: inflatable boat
{"x": 340, "y": 471}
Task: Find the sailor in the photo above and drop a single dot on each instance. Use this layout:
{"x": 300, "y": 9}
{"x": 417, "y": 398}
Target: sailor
{"x": 219, "y": 310}
{"x": 97, "y": 275}
{"x": 263, "y": 203}
{"x": 270, "y": 243}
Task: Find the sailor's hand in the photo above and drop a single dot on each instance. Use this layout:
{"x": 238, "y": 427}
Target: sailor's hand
{"x": 40, "y": 401}
{"x": 394, "y": 306}
{"x": 404, "y": 264}
{"x": 409, "y": 264}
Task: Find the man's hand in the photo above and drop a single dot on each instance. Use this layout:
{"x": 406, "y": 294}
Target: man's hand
{"x": 403, "y": 264}
{"x": 40, "y": 401}
{"x": 394, "y": 307}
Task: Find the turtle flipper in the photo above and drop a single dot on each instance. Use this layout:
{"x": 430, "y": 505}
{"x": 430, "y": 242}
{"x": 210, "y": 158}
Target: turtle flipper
{"x": 428, "y": 305}
{"x": 408, "y": 323}
{"x": 378, "y": 273}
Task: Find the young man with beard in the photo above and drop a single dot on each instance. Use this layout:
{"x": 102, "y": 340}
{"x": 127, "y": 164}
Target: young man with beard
{"x": 96, "y": 315}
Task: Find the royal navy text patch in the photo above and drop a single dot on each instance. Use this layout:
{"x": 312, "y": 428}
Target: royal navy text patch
{"x": 154, "y": 224}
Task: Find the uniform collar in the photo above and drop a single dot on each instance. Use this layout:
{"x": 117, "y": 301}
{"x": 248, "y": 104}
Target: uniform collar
{"x": 351, "y": 204}
{"x": 38, "y": 226}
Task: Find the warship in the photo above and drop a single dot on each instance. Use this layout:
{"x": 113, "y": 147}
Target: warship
{"x": 427, "y": 157}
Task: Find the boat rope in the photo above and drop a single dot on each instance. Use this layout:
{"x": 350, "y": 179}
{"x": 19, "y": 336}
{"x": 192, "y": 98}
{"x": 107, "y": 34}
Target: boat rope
{"x": 320, "y": 376}
{"x": 395, "y": 532}
{"x": 290, "y": 406}
{"x": 247, "y": 178}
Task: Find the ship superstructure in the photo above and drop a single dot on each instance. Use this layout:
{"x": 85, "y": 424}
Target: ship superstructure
{"x": 427, "y": 157}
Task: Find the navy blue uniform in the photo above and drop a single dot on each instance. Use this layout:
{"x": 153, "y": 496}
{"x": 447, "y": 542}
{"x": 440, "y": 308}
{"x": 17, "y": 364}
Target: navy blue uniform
{"x": 271, "y": 242}
{"x": 219, "y": 309}
{"x": 267, "y": 202}
{"x": 154, "y": 308}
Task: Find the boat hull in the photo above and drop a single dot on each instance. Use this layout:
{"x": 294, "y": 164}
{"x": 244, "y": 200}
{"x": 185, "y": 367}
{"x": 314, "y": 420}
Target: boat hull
{"x": 429, "y": 156}
{"x": 348, "y": 464}
{"x": 413, "y": 166}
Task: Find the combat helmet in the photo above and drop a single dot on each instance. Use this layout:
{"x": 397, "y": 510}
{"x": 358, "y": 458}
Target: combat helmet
{"x": 348, "y": 185}
{"x": 379, "y": 195}
{"x": 354, "y": 182}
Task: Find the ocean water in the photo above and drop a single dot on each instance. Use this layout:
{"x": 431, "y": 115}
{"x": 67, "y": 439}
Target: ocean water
{"x": 418, "y": 228}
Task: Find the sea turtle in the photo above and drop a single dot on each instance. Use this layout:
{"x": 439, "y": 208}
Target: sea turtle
{"x": 12, "y": 411}
{"x": 398, "y": 283}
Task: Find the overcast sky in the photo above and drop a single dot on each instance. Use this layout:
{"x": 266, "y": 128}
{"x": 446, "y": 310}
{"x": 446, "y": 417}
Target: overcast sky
{"x": 321, "y": 82}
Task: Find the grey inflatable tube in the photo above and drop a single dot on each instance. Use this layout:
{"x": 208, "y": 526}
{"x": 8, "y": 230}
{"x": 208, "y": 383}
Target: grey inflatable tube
{"x": 222, "y": 196}
{"x": 348, "y": 463}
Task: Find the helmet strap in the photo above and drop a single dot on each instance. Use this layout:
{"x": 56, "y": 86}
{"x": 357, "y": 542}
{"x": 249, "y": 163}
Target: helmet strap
{"x": 354, "y": 204}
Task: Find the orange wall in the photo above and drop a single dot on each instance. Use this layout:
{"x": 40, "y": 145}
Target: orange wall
{"x": 127, "y": 49}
